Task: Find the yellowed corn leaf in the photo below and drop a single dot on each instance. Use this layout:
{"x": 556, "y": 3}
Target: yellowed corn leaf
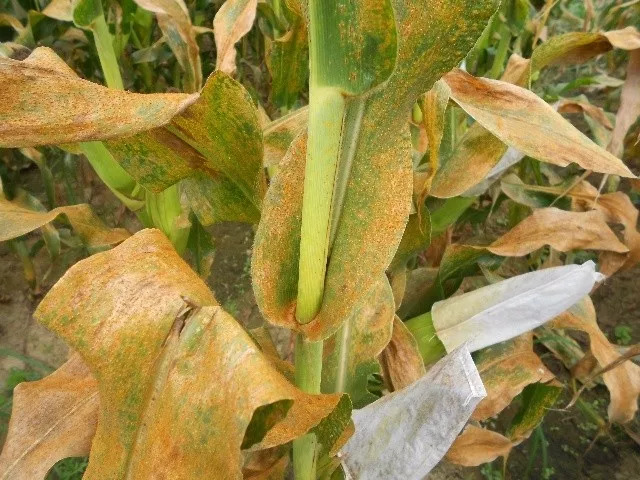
{"x": 232, "y": 22}
{"x": 350, "y": 356}
{"x": 372, "y": 220}
{"x": 16, "y": 220}
{"x": 506, "y": 368}
{"x": 524, "y": 121}
{"x": 175, "y": 23}
{"x": 11, "y": 21}
{"x": 60, "y": 10}
{"x": 580, "y": 106}
{"x": 562, "y": 230}
{"x": 478, "y": 150}
{"x": 182, "y": 386}
{"x": 51, "y": 419}
{"x": 268, "y": 464}
{"x": 623, "y": 381}
{"x": 279, "y": 134}
{"x": 629, "y": 110}
{"x": 401, "y": 359}
{"x": 43, "y": 102}
{"x": 476, "y": 445}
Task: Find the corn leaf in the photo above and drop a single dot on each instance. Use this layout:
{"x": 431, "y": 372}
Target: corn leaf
{"x": 178, "y": 377}
{"x": 536, "y": 399}
{"x": 623, "y": 381}
{"x": 505, "y": 369}
{"x": 232, "y": 22}
{"x": 381, "y": 157}
{"x": 51, "y": 419}
{"x": 629, "y": 110}
{"x": 280, "y": 133}
{"x": 349, "y": 356}
{"x": 43, "y": 102}
{"x": 404, "y": 435}
{"x": 401, "y": 359}
{"x": 524, "y": 121}
{"x": 477, "y": 445}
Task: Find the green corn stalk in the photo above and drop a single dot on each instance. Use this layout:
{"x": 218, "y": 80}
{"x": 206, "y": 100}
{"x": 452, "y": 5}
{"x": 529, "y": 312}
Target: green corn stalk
{"x": 160, "y": 210}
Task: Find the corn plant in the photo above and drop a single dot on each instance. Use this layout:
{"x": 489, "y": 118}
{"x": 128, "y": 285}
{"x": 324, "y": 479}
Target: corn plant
{"x": 396, "y": 144}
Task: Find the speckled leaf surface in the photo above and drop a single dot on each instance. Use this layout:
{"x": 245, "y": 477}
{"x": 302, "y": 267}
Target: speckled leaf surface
{"x": 349, "y": 356}
{"x": 279, "y": 134}
{"x": 179, "y": 379}
{"x": 505, "y": 369}
{"x": 51, "y": 419}
{"x": 17, "y": 219}
{"x": 43, "y": 102}
{"x": 372, "y": 219}
{"x": 536, "y": 400}
{"x": 524, "y": 121}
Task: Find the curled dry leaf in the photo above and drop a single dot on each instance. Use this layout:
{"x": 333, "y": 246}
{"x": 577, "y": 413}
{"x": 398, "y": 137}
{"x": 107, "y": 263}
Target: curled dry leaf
{"x": 349, "y": 356}
{"x": 16, "y": 219}
{"x": 232, "y": 22}
{"x": 60, "y": 10}
{"x": 506, "y": 309}
{"x": 477, "y": 445}
{"x": 51, "y": 419}
{"x": 623, "y": 381}
{"x": 370, "y": 226}
{"x": 562, "y": 230}
{"x": 629, "y": 110}
{"x": 524, "y": 121}
{"x": 401, "y": 360}
{"x": 172, "y": 366}
{"x": 175, "y": 23}
{"x": 583, "y": 106}
{"x": 43, "y": 102}
{"x": 505, "y": 369}
{"x": 405, "y": 434}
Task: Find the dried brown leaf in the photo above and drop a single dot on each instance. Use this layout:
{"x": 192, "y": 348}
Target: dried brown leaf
{"x": 232, "y": 22}
{"x": 524, "y": 121}
{"x": 629, "y": 110}
{"x": 563, "y": 230}
{"x": 505, "y": 369}
{"x": 401, "y": 359}
{"x": 51, "y": 419}
{"x": 623, "y": 381}
{"x": 475, "y": 446}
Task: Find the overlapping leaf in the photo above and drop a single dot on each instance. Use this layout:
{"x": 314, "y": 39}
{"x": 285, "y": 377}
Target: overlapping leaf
{"x": 178, "y": 378}
{"x": 401, "y": 358}
{"x": 51, "y": 419}
{"x": 623, "y": 381}
{"x": 372, "y": 219}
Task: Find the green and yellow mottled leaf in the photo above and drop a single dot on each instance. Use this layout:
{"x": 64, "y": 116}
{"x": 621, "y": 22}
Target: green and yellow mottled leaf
{"x": 280, "y": 133}
{"x": 183, "y": 388}
{"x": 372, "y": 220}
{"x": 536, "y": 399}
{"x": 43, "y": 102}
{"x": 350, "y": 356}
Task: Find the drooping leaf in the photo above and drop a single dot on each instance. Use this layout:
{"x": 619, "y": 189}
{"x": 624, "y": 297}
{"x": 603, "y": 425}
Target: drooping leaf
{"x": 381, "y": 158}
{"x": 477, "y": 152}
{"x": 629, "y": 110}
{"x": 524, "y": 121}
{"x": 178, "y": 377}
{"x": 416, "y": 237}
{"x": 563, "y": 230}
{"x": 506, "y": 309}
{"x": 536, "y": 399}
{"x": 232, "y": 22}
{"x": 505, "y": 369}
{"x": 175, "y": 23}
{"x": 51, "y": 419}
{"x": 43, "y": 102}
{"x": 623, "y": 381}
{"x": 350, "y": 356}
{"x": 477, "y": 445}
{"x": 405, "y": 434}
{"x": 60, "y": 10}
{"x": 17, "y": 219}
{"x": 401, "y": 359}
